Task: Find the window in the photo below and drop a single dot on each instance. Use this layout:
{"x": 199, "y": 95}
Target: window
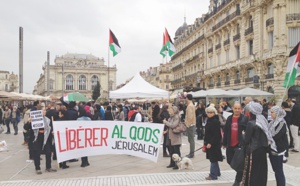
{"x": 227, "y": 56}
{"x": 270, "y": 36}
{"x": 69, "y": 82}
{"x": 51, "y": 85}
{"x": 250, "y": 72}
{"x": 237, "y": 75}
{"x": 237, "y": 49}
{"x": 94, "y": 81}
{"x": 167, "y": 87}
{"x": 219, "y": 59}
{"x": 219, "y": 79}
{"x": 211, "y": 62}
{"x": 250, "y": 47}
{"x": 211, "y": 81}
{"x": 271, "y": 68}
{"x": 6, "y": 87}
{"x": 294, "y": 36}
{"x": 111, "y": 85}
{"x": 250, "y": 22}
{"x": 82, "y": 82}
{"x": 227, "y": 78}
{"x": 237, "y": 28}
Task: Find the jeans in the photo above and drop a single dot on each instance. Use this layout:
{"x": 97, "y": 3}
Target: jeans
{"x": 214, "y": 170}
{"x": 7, "y": 121}
{"x": 277, "y": 166}
{"x": 294, "y": 131}
{"x": 15, "y": 124}
{"x": 191, "y": 138}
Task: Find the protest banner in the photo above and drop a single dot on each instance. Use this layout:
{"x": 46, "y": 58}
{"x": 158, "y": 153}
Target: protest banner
{"x": 37, "y": 120}
{"x": 75, "y": 139}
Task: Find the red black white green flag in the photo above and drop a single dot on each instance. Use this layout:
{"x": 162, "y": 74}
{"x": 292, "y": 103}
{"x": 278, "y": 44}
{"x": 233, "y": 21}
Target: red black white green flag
{"x": 114, "y": 44}
{"x": 293, "y": 67}
{"x": 169, "y": 43}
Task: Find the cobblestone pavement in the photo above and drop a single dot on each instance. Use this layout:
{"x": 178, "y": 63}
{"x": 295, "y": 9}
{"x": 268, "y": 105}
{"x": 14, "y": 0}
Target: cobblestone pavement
{"x": 121, "y": 170}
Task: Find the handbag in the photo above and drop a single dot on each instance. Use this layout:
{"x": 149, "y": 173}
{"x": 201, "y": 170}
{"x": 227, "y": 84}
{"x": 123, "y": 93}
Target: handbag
{"x": 180, "y": 128}
{"x": 238, "y": 160}
{"x": 204, "y": 148}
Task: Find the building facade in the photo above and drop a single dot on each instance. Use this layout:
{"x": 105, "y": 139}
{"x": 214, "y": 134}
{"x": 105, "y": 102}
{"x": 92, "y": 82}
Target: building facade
{"x": 76, "y": 73}
{"x": 237, "y": 44}
{"x": 9, "y": 81}
{"x": 159, "y": 76}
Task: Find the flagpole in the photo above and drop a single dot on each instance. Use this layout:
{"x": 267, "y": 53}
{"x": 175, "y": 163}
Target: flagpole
{"x": 108, "y": 74}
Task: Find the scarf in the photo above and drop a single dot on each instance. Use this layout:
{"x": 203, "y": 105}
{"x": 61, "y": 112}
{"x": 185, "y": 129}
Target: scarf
{"x": 278, "y": 121}
{"x": 261, "y": 122}
{"x": 47, "y": 130}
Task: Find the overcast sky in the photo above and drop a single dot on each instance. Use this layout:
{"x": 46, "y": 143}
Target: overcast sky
{"x": 81, "y": 26}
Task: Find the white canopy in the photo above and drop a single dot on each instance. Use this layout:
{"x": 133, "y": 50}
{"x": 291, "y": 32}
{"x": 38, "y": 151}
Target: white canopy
{"x": 210, "y": 93}
{"x": 138, "y": 88}
{"x": 251, "y": 92}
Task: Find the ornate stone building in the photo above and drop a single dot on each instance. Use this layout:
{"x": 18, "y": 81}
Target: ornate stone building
{"x": 237, "y": 44}
{"x": 159, "y": 76}
{"x": 76, "y": 73}
{"x": 9, "y": 82}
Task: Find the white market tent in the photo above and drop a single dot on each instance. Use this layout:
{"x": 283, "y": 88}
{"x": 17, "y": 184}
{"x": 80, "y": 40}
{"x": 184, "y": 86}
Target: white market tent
{"x": 138, "y": 88}
{"x": 251, "y": 92}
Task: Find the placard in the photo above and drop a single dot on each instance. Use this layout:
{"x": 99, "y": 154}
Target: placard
{"x": 37, "y": 120}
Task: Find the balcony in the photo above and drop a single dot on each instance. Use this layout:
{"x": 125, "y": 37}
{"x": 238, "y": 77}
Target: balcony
{"x": 226, "y": 42}
{"x": 218, "y": 46}
{"x": 249, "y": 80}
{"x": 269, "y": 76}
{"x": 218, "y": 84}
{"x": 210, "y": 50}
{"x": 292, "y": 17}
{"x": 176, "y": 81}
{"x": 270, "y": 21}
{"x": 249, "y": 31}
{"x": 237, "y": 37}
{"x": 192, "y": 59}
{"x": 237, "y": 81}
{"x": 226, "y": 20}
{"x": 177, "y": 67}
{"x": 217, "y": 9}
{"x": 227, "y": 83}
{"x": 211, "y": 85}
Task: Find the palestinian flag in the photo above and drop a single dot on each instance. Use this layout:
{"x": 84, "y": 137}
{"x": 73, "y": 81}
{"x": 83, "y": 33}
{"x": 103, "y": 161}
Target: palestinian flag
{"x": 164, "y": 48}
{"x": 169, "y": 43}
{"x": 114, "y": 44}
{"x": 293, "y": 67}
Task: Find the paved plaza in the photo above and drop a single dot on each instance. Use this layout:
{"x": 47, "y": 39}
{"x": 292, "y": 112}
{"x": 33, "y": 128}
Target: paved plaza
{"x": 120, "y": 170}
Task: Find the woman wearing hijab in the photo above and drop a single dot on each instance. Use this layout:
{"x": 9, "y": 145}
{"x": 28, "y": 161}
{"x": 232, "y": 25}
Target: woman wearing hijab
{"x": 279, "y": 131}
{"x": 174, "y": 140}
{"x": 212, "y": 141}
{"x": 258, "y": 137}
{"x": 120, "y": 113}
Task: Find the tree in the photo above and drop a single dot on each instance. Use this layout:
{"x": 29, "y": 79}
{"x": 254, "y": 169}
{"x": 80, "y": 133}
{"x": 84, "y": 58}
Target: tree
{"x": 96, "y": 91}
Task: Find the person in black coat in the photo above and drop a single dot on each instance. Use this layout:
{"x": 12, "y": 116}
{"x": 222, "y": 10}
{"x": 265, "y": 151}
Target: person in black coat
{"x": 155, "y": 112}
{"x": 164, "y": 114}
{"x": 200, "y": 111}
{"x": 108, "y": 113}
{"x": 212, "y": 141}
{"x": 279, "y": 131}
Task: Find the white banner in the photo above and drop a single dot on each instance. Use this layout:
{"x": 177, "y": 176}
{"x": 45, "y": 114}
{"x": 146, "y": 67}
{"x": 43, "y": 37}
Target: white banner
{"x": 75, "y": 139}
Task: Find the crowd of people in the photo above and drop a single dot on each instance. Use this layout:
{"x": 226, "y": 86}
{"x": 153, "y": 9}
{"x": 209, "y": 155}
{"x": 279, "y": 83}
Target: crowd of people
{"x": 258, "y": 128}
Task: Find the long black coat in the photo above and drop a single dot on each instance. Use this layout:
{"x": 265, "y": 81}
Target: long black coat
{"x": 213, "y": 137}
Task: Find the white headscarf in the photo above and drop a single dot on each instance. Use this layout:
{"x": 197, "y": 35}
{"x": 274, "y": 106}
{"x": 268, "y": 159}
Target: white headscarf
{"x": 279, "y": 120}
{"x": 262, "y": 122}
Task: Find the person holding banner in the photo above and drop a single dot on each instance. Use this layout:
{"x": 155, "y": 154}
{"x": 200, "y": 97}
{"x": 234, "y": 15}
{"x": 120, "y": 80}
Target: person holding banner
{"x": 41, "y": 140}
{"x": 83, "y": 117}
{"x": 174, "y": 139}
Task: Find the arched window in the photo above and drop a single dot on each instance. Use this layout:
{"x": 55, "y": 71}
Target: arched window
{"x": 237, "y": 29}
{"x": 219, "y": 79}
{"x": 271, "y": 68}
{"x": 237, "y": 75}
{"x": 82, "y": 82}
{"x": 250, "y": 72}
{"x": 94, "y": 81}
{"x": 227, "y": 78}
{"x": 69, "y": 82}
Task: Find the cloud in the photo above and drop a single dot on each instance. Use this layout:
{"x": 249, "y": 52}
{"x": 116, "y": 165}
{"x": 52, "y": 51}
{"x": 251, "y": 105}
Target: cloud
{"x": 82, "y": 27}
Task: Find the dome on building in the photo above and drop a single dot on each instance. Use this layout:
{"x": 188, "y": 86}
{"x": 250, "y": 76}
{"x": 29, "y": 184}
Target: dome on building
{"x": 181, "y": 29}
